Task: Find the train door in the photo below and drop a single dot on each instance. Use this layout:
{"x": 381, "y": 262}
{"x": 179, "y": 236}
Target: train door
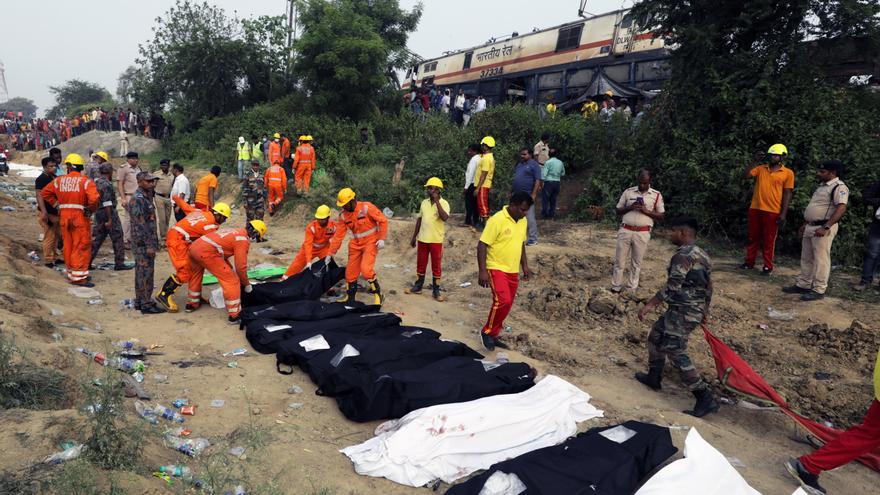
{"x": 624, "y": 30}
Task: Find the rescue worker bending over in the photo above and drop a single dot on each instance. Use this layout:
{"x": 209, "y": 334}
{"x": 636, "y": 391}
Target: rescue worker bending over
{"x": 194, "y": 225}
{"x": 211, "y": 252}
{"x": 71, "y": 194}
{"x": 316, "y": 244}
{"x": 368, "y": 227}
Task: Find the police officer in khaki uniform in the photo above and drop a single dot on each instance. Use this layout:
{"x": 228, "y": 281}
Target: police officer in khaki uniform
{"x": 162, "y": 198}
{"x": 825, "y": 209}
{"x": 640, "y": 206}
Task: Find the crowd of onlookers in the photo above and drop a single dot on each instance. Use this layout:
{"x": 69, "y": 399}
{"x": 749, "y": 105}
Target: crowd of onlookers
{"x": 426, "y": 99}
{"x": 28, "y": 133}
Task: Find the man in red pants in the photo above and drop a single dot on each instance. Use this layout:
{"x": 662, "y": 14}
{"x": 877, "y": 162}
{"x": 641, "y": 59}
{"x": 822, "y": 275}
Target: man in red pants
{"x": 71, "y": 194}
{"x": 774, "y": 183}
{"x": 847, "y": 447}
{"x": 316, "y": 243}
{"x": 428, "y": 237}
{"x": 501, "y": 253}
{"x": 211, "y": 252}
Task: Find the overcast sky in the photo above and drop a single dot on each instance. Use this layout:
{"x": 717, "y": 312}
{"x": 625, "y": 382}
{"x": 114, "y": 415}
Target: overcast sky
{"x": 51, "y": 41}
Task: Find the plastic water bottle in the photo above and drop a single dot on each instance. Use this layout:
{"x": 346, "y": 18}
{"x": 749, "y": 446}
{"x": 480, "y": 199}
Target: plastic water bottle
{"x": 127, "y": 303}
{"x": 126, "y": 345}
{"x": 95, "y": 301}
{"x": 98, "y": 357}
{"x": 145, "y": 412}
{"x": 177, "y": 471}
{"x": 128, "y": 365}
{"x": 190, "y": 447}
{"x": 167, "y": 413}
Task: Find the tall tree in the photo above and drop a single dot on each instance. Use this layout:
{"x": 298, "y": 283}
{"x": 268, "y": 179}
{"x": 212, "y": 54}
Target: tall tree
{"x": 18, "y": 104}
{"x": 202, "y": 63}
{"x": 349, "y": 51}
{"x": 76, "y": 94}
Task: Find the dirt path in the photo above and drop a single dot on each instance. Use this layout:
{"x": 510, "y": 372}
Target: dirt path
{"x": 551, "y": 325}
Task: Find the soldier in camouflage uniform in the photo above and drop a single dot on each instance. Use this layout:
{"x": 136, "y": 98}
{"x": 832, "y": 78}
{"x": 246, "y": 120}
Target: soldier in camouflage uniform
{"x": 144, "y": 242}
{"x": 106, "y": 222}
{"x": 688, "y": 293}
{"x": 253, "y": 193}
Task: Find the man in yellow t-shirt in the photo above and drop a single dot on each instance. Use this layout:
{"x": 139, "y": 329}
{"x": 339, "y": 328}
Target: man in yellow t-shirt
{"x": 846, "y": 447}
{"x": 500, "y": 254}
{"x": 206, "y": 187}
{"x": 485, "y": 172}
{"x": 428, "y": 237}
{"x": 774, "y": 183}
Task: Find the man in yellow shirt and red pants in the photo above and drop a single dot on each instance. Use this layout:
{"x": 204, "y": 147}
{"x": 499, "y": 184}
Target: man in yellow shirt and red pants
{"x": 774, "y": 183}
{"x": 501, "y": 253}
{"x": 847, "y": 447}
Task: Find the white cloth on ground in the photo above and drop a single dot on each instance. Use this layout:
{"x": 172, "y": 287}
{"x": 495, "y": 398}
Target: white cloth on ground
{"x": 451, "y": 441}
{"x": 703, "y": 471}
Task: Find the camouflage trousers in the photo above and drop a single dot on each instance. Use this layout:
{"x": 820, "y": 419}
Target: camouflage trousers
{"x": 100, "y": 233}
{"x": 254, "y": 213}
{"x": 669, "y": 339}
{"x": 144, "y": 269}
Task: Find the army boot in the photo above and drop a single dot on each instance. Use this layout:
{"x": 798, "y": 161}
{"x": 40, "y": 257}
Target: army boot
{"x": 706, "y": 403}
{"x": 652, "y": 378}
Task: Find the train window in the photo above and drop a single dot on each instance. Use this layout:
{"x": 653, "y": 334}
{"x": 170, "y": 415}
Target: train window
{"x": 605, "y": 49}
{"x": 430, "y": 66}
{"x": 467, "y": 60}
{"x": 569, "y": 37}
{"x": 626, "y": 22}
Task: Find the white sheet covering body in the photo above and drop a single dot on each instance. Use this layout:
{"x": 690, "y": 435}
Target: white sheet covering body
{"x": 451, "y": 441}
{"x": 703, "y": 471}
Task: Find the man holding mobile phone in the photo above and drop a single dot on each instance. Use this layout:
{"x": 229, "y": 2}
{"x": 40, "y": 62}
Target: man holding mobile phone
{"x": 639, "y": 206}
{"x": 774, "y": 183}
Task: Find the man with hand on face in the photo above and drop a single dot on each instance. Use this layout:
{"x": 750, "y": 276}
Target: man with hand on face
{"x": 640, "y": 206}
{"x": 316, "y": 243}
{"x": 774, "y": 183}
{"x": 428, "y": 236}
{"x": 501, "y": 253}
{"x": 687, "y": 294}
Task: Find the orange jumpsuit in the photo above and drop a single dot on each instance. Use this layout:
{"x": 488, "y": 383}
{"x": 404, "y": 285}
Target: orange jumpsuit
{"x": 195, "y": 224}
{"x": 285, "y": 149}
{"x": 71, "y": 194}
{"x": 304, "y": 163}
{"x": 275, "y": 157}
{"x": 276, "y": 182}
{"x": 367, "y": 225}
{"x": 210, "y": 252}
{"x": 315, "y": 245}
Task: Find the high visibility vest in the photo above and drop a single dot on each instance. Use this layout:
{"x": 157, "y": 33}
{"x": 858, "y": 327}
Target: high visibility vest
{"x": 244, "y": 151}
{"x": 257, "y": 152}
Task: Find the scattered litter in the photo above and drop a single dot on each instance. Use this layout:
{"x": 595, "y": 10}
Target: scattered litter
{"x": 295, "y": 389}
{"x": 465, "y": 285}
{"x": 84, "y": 292}
{"x": 236, "y": 451}
{"x": 822, "y": 375}
{"x": 95, "y": 301}
{"x": 502, "y": 358}
{"x": 34, "y": 256}
{"x": 67, "y": 444}
{"x": 232, "y": 364}
{"x": 127, "y": 303}
{"x": 780, "y": 315}
{"x": 388, "y": 212}
{"x": 189, "y": 446}
{"x": 167, "y": 413}
{"x": 216, "y": 299}
{"x": 762, "y": 326}
{"x": 508, "y": 329}
{"x": 265, "y": 250}
{"x": 828, "y": 424}
{"x": 57, "y": 337}
{"x": 218, "y": 403}
{"x": 726, "y": 400}
{"x": 180, "y": 431}
{"x": 65, "y": 455}
{"x": 178, "y": 403}
{"x": 188, "y": 410}
{"x": 8, "y": 208}
{"x": 145, "y": 412}
{"x": 735, "y": 462}
{"x": 56, "y": 312}
{"x": 235, "y": 352}
{"x": 176, "y": 471}
{"x": 295, "y": 405}
{"x": 160, "y": 378}
{"x": 138, "y": 376}
{"x": 389, "y": 266}
{"x": 471, "y": 305}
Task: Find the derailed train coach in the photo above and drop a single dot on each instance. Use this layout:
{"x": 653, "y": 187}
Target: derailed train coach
{"x": 573, "y": 61}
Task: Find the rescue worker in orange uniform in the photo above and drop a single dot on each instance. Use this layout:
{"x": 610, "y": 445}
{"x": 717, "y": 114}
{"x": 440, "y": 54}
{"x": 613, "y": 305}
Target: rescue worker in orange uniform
{"x": 276, "y": 182}
{"x": 210, "y": 252}
{"x": 195, "y": 224}
{"x": 275, "y": 157}
{"x": 304, "y": 164}
{"x": 319, "y": 234}
{"x": 71, "y": 194}
{"x": 285, "y": 147}
{"x": 368, "y": 227}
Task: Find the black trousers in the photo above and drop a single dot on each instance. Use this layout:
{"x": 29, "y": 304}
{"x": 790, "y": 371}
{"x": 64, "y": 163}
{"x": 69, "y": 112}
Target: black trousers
{"x": 470, "y": 206}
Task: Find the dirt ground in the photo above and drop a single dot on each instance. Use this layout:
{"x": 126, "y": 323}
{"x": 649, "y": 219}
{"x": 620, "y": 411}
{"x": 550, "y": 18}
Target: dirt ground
{"x": 564, "y": 323}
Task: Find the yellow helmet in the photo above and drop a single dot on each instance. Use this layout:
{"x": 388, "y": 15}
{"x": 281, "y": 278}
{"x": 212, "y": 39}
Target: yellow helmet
{"x": 74, "y": 159}
{"x": 276, "y": 135}
{"x": 302, "y": 137}
{"x": 222, "y": 209}
{"x": 434, "y": 181}
{"x": 609, "y": 93}
{"x": 104, "y": 155}
{"x": 322, "y": 212}
{"x": 488, "y": 141}
{"x": 260, "y": 227}
{"x": 309, "y": 137}
{"x": 551, "y": 107}
{"x": 345, "y": 195}
{"x": 777, "y": 149}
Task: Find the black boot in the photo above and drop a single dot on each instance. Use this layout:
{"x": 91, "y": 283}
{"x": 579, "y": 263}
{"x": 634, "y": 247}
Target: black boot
{"x": 163, "y": 298}
{"x": 350, "y": 293}
{"x": 435, "y": 290}
{"x": 378, "y": 298}
{"x": 706, "y": 403}
{"x": 417, "y": 286}
{"x": 652, "y": 378}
